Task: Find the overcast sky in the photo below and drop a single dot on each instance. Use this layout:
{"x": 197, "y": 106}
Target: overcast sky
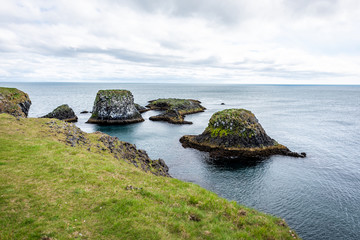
{"x": 205, "y": 41}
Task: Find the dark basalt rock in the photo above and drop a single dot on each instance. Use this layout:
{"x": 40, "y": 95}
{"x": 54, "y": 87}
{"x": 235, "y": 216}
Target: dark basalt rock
{"x": 83, "y": 112}
{"x": 172, "y": 116}
{"x": 175, "y": 109}
{"x": 114, "y": 107}
{"x": 236, "y": 133}
{"x": 140, "y": 108}
{"x": 62, "y": 112}
{"x": 14, "y": 102}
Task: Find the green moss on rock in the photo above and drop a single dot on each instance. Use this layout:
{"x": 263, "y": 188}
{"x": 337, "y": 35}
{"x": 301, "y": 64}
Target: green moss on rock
{"x": 63, "y": 112}
{"x": 14, "y": 102}
{"x": 236, "y": 132}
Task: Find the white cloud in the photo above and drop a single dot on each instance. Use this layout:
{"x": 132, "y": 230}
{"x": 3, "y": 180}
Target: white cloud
{"x": 229, "y": 41}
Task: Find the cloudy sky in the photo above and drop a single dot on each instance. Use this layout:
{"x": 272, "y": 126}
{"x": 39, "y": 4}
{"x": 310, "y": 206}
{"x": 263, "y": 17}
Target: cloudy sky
{"x": 204, "y": 41}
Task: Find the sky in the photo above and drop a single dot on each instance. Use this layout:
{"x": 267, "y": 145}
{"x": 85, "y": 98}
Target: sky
{"x": 181, "y": 41}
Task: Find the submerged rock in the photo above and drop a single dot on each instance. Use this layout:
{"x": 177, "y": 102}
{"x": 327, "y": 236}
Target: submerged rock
{"x": 236, "y": 133}
{"x": 175, "y": 108}
{"x": 114, "y": 107}
{"x": 62, "y": 112}
{"x": 172, "y": 116}
{"x": 14, "y": 102}
{"x": 140, "y": 108}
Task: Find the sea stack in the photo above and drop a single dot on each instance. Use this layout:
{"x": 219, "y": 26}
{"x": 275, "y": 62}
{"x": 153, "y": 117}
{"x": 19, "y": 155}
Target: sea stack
{"x": 175, "y": 109}
{"x": 236, "y": 133}
{"x": 14, "y": 102}
{"x": 114, "y": 107}
{"x": 63, "y": 112}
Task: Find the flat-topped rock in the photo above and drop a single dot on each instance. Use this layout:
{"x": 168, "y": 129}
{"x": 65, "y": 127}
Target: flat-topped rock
{"x": 14, "y": 102}
{"x": 175, "y": 109}
{"x": 236, "y": 133}
{"x": 62, "y": 112}
{"x": 114, "y": 107}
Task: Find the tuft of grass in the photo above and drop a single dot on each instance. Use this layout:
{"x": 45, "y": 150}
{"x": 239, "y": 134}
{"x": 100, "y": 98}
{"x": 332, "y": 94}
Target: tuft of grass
{"x": 49, "y": 190}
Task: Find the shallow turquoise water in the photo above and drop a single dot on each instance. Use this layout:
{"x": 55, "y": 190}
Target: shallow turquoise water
{"x": 318, "y": 196}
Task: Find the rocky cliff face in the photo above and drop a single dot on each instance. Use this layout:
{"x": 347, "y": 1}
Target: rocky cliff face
{"x": 63, "y": 112}
{"x": 236, "y": 133}
{"x": 114, "y": 107}
{"x": 14, "y": 102}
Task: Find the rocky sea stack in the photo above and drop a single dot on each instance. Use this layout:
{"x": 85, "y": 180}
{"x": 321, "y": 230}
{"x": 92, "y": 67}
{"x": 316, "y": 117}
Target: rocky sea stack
{"x": 63, "y": 112}
{"x": 114, "y": 107}
{"x": 14, "y": 102}
{"x": 175, "y": 109}
{"x": 236, "y": 133}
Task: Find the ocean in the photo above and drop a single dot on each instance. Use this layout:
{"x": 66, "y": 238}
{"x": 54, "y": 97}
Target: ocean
{"x": 318, "y": 196}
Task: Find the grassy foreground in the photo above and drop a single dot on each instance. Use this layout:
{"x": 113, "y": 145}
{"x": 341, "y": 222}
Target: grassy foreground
{"x": 50, "y": 190}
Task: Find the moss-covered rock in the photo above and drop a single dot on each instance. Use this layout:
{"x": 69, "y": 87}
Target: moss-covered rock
{"x": 14, "y": 102}
{"x": 114, "y": 107}
{"x": 175, "y": 109}
{"x": 63, "y": 112}
{"x": 236, "y": 133}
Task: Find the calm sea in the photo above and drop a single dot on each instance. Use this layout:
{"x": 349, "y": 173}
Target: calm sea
{"x": 318, "y": 196}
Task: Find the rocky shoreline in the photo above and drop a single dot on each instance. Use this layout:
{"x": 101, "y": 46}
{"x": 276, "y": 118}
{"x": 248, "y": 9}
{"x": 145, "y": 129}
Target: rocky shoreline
{"x": 96, "y": 177}
{"x": 103, "y": 143}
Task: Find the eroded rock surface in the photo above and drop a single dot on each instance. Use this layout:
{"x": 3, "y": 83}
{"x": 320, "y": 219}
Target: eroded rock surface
{"x": 175, "y": 109}
{"x": 63, "y": 112}
{"x": 14, "y": 102}
{"x": 236, "y": 133}
{"x": 114, "y": 107}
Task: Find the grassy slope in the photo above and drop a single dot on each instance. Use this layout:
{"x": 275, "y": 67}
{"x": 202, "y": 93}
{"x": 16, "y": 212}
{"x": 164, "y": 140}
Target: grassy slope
{"x": 49, "y": 190}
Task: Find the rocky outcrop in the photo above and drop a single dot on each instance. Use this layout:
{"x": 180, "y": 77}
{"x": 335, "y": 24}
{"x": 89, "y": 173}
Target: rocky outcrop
{"x": 103, "y": 143}
{"x": 62, "y": 112}
{"x": 140, "y": 108}
{"x": 114, "y": 107}
{"x": 236, "y": 133}
{"x": 175, "y": 109}
{"x": 14, "y": 102}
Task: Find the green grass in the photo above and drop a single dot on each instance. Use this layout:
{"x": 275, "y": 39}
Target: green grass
{"x": 49, "y": 189}
{"x": 13, "y": 94}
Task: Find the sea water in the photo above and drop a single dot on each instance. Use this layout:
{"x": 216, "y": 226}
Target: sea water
{"x": 318, "y": 196}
